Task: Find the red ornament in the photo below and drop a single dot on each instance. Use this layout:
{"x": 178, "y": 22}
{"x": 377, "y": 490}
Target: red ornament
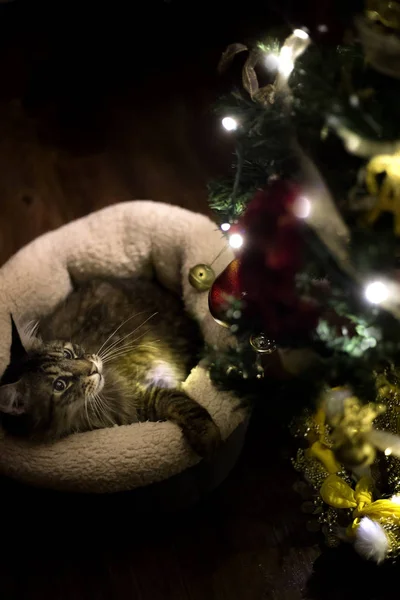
{"x": 226, "y": 294}
{"x": 270, "y": 260}
{"x": 264, "y": 277}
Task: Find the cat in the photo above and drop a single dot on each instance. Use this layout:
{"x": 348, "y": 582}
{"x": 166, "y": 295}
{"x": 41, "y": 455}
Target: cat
{"x": 113, "y": 353}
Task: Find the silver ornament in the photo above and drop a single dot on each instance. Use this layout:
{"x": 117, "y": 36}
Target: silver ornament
{"x": 262, "y": 344}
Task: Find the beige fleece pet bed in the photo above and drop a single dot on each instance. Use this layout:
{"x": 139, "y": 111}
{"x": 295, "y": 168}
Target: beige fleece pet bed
{"x": 134, "y": 237}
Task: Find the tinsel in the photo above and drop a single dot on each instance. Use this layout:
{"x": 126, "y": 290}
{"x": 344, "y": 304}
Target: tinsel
{"x": 350, "y": 464}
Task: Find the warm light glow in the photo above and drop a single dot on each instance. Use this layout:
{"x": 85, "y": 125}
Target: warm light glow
{"x": 293, "y": 47}
{"x": 300, "y": 33}
{"x": 225, "y": 226}
{"x": 272, "y": 62}
{"x": 286, "y": 64}
{"x": 353, "y": 143}
{"x": 354, "y": 101}
{"x": 229, "y": 123}
{"x": 376, "y": 292}
{"x": 302, "y": 207}
{"x": 388, "y": 452}
{"x": 236, "y": 240}
{"x": 395, "y": 499}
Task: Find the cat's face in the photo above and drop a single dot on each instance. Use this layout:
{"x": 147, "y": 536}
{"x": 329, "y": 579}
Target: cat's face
{"x": 49, "y": 384}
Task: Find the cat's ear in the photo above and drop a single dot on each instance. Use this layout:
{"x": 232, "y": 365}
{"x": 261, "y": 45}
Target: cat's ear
{"x": 17, "y": 352}
{"x": 17, "y": 356}
{"x": 12, "y": 399}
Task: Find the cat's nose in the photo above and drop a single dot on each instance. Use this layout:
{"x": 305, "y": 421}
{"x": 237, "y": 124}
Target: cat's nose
{"x": 93, "y": 368}
{"x": 96, "y": 364}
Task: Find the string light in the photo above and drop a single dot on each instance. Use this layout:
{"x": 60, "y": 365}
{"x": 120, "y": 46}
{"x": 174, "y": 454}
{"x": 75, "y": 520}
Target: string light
{"x": 236, "y": 240}
{"x": 229, "y": 123}
{"x": 302, "y": 207}
{"x": 300, "y": 33}
{"x": 293, "y": 47}
{"x": 225, "y": 226}
{"x": 286, "y": 62}
{"x": 376, "y": 292}
{"x": 272, "y": 62}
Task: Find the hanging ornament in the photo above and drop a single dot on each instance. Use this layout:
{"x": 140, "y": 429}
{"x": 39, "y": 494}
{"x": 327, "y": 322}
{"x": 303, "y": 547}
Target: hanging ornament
{"x": 226, "y": 299}
{"x": 201, "y": 277}
{"x": 262, "y": 344}
{"x": 388, "y": 192}
{"x": 270, "y": 260}
{"x": 260, "y": 284}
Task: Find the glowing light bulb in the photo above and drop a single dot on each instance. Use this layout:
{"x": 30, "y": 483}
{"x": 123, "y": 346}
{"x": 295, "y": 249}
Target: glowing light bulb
{"x": 302, "y": 207}
{"x": 300, "y": 33}
{"x": 352, "y": 143}
{"x": 292, "y": 48}
{"x": 388, "y": 452}
{"x": 354, "y": 101}
{"x": 376, "y": 292}
{"x": 395, "y": 499}
{"x": 272, "y": 62}
{"x": 236, "y": 240}
{"x": 286, "y": 64}
{"x": 225, "y": 226}
{"x": 229, "y": 123}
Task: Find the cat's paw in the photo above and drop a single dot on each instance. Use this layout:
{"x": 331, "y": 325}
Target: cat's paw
{"x": 204, "y": 438}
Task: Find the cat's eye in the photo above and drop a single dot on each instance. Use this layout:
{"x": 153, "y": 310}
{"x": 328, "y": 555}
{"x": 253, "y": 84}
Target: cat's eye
{"x": 60, "y": 385}
{"x": 68, "y": 354}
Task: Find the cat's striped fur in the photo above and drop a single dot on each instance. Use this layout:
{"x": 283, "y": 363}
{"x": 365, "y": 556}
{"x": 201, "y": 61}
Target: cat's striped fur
{"x": 113, "y": 353}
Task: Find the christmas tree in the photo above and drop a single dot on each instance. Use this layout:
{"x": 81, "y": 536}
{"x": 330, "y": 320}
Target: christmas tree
{"x": 312, "y": 210}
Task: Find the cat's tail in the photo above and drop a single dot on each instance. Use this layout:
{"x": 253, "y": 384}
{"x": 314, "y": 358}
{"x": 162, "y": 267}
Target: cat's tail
{"x": 196, "y": 423}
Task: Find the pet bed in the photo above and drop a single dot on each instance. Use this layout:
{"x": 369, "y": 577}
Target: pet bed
{"x": 130, "y": 238}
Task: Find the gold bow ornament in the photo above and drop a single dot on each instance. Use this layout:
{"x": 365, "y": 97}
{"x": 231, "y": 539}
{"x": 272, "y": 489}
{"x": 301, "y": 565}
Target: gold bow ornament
{"x": 375, "y": 527}
{"x": 320, "y": 449}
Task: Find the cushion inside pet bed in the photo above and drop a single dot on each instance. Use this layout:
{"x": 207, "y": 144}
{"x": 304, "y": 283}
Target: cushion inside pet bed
{"x": 123, "y": 240}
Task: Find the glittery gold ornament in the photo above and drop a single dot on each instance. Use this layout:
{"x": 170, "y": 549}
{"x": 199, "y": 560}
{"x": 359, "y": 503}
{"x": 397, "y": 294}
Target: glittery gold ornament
{"x": 352, "y": 429}
{"x": 345, "y": 429}
{"x": 262, "y": 344}
{"x": 201, "y": 277}
{"x": 388, "y": 192}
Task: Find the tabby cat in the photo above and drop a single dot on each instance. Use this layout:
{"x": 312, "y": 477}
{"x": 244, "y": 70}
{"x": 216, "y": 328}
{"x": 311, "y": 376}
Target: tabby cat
{"x": 113, "y": 353}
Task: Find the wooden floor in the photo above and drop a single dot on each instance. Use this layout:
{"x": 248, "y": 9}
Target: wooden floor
{"x": 101, "y": 109}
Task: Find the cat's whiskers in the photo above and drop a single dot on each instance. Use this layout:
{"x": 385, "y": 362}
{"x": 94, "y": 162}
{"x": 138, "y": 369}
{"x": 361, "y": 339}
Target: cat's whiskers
{"x": 106, "y": 408}
{"x": 126, "y": 336}
{"x": 94, "y": 405}
{"x": 101, "y": 408}
{"x": 116, "y": 348}
{"x": 121, "y": 354}
{"x": 125, "y": 350}
{"x": 87, "y": 411}
{"x": 127, "y": 344}
{"x": 117, "y": 329}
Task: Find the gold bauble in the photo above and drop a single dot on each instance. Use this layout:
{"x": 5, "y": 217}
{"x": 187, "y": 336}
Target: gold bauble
{"x": 201, "y": 277}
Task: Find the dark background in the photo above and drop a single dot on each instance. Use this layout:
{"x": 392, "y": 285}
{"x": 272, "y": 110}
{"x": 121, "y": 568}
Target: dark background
{"x": 101, "y": 105}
